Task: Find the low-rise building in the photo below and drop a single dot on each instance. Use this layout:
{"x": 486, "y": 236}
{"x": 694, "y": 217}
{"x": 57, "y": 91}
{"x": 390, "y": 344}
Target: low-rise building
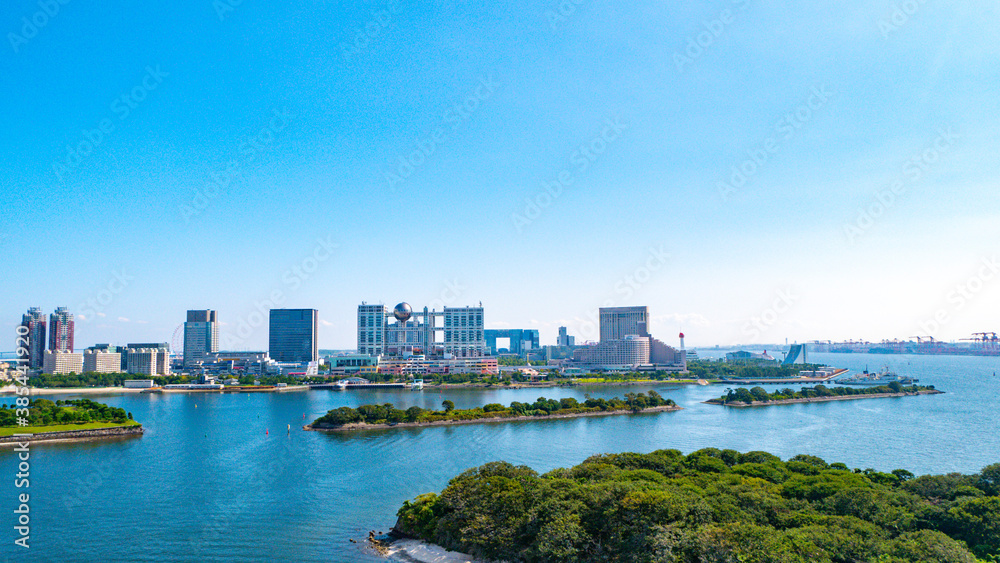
{"x": 138, "y": 383}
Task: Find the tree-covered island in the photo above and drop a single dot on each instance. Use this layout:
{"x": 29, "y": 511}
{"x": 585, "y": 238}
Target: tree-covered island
{"x": 387, "y": 415}
{"x": 758, "y": 396}
{"x": 712, "y": 506}
{"x": 41, "y": 416}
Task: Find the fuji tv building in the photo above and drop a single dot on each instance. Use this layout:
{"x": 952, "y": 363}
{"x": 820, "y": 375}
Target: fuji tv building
{"x": 447, "y": 341}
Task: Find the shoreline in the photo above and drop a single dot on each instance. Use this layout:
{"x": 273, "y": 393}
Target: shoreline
{"x": 75, "y": 435}
{"x": 419, "y": 551}
{"x": 741, "y": 405}
{"x": 40, "y": 391}
{"x": 34, "y": 391}
{"x": 356, "y": 426}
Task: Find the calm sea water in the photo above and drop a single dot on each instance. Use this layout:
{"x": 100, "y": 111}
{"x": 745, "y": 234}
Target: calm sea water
{"x": 219, "y": 478}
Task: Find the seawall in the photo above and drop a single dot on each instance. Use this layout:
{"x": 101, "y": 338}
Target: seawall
{"x": 74, "y": 435}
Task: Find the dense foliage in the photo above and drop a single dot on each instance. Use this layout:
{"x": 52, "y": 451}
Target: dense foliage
{"x": 43, "y": 412}
{"x": 704, "y": 369}
{"x": 760, "y": 395}
{"x": 711, "y": 506}
{"x": 389, "y": 414}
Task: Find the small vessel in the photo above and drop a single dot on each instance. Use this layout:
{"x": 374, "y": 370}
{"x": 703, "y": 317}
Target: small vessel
{"x": 341, "y": 385}
{"x": 417, "y": 384}
{"x": 883, "y": 377}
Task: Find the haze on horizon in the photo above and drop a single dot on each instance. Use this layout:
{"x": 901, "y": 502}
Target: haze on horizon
{"x": 830, "y": 171}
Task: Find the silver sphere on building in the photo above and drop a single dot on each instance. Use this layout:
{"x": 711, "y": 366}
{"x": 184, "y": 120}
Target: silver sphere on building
{"x": 402, "y": 312}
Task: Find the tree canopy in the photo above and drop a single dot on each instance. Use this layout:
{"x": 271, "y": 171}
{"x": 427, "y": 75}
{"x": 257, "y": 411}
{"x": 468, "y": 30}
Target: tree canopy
{"x": 713, "y": 505}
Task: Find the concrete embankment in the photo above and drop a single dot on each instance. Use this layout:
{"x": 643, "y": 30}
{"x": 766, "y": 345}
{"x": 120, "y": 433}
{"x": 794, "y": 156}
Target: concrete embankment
{"x": 74, "y": 435}
{"x": 741, "y": 404}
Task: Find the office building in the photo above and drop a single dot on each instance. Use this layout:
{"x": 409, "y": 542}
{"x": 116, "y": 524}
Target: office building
{"x": 61, "y": 362}
{"x": 201, "y": 337}
{"x": 31, "y": 344}
{"x": 101, "y": 361}
{"x": 292, "y": 335}
{"x": 521, "y": 341}
{"x": 455, "y": 331}
{"x": 147, "y": 361}
{"x": 61, "y": 328}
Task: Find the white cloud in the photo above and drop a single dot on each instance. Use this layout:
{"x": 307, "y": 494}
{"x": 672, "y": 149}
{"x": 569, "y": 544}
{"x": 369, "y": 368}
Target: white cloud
{"x": 122, "y": 320}
{"x": 325, "y": 323}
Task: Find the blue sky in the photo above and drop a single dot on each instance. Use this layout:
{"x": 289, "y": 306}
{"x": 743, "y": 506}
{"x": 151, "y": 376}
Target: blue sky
{"x": 751, "y": 171}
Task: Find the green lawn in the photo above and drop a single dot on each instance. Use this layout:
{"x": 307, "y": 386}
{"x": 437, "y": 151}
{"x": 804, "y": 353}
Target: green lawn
{"x": 11, "y": 430}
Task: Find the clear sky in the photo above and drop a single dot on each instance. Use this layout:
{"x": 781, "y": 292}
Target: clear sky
{"x": 752, "y": 171}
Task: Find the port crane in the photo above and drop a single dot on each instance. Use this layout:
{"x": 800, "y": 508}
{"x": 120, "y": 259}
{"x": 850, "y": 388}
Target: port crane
{"x": 987, "y": 341}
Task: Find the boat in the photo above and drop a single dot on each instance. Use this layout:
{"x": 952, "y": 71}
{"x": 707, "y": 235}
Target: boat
{"x": 340, "y": 385}
{"x": 417, "y": 384}
{"x": 883, "y": 377}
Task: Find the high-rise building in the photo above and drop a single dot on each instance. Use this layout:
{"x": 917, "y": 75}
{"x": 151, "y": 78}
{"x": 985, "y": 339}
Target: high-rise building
{"x": 60, "y": 362}
{"x": 31, "y": 344}
{"x": 97, "y": 360}
{"x": 61, "y": 328}
{"x": 455, "y": 330}
{"x": 292, "y": 335}
{"x": 564, "y": 338}
{"x": 463, "y": 332}
{"x": 619, "y": 322}
{"x": 201, "y": 336}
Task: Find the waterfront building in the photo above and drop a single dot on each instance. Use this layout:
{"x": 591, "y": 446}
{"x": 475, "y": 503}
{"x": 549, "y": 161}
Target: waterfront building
{"x": 138, "y": 383}
{"x": 34, "y": 351}
{"x": 100, "y": 361}
{"x": 352, "y": 363}
{"x": 61, "y": 362}
{"x": 419, "y": 365}
{"x": 147, "y": 361}
{"x": 61, "y": 330}
{"x": 753, "y": 358}
{"x": 292, "y": 335}
{"x": 460, "y": 332}
{"x": 522, "y": 341}
{"x": 201, "y": 336}
{"x": 161, "y": 346}
{"x": 626, "y": 344}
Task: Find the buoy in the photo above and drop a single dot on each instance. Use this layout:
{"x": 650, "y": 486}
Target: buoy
{"x": 267, "y": 432}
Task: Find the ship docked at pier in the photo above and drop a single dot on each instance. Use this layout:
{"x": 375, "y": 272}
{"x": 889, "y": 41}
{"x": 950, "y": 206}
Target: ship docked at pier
{"x": 884, "y": 377}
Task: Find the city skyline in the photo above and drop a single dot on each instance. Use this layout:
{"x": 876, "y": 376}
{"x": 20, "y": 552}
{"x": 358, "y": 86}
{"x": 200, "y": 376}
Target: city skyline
{"x": 719, "y": 171}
